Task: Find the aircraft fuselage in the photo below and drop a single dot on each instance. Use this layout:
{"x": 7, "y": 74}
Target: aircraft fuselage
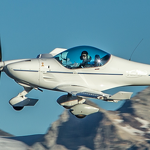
{"x": 49, "y": 74}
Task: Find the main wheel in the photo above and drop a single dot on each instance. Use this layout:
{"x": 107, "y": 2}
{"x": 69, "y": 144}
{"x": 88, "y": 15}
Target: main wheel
{"x": 17, "y": 108}
{"x": 80, "y": 116}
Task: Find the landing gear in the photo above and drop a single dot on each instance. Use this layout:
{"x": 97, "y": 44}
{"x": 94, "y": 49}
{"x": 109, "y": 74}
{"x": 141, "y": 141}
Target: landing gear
{"x": 18, "y": 108}
{"x": 80, "y": 116}
{"x": 21, "y": 100}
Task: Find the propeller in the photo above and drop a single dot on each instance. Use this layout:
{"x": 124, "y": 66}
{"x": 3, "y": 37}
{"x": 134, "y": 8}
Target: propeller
{"x": 0, "y": 55}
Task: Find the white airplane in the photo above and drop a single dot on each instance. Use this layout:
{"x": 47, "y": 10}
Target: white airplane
{"x": 82, "y": 72}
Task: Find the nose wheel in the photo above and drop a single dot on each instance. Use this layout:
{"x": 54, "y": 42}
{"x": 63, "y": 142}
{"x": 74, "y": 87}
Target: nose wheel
{"x": 18, "y": 108}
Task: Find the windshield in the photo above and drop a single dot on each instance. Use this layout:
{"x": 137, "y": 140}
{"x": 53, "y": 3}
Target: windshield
{"x": 82, "y": 57}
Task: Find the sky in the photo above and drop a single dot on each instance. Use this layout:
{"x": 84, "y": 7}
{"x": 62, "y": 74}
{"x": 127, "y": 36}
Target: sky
{"x": 29, "y": 28}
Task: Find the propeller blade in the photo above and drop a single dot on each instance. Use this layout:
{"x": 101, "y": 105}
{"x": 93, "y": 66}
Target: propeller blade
{"x": 0, "y": 52}
{"x": 0, "y": 55}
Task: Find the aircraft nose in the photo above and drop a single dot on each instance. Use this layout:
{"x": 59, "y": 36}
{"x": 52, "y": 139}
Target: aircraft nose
{"x": 13, "y": 70}
{"x": 23, "y": 71}
{"x": 8, "y": 69}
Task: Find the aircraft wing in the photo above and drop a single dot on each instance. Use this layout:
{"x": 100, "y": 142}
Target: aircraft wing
{"x": 118, "y": 96}
{"x": 82, "y": 91}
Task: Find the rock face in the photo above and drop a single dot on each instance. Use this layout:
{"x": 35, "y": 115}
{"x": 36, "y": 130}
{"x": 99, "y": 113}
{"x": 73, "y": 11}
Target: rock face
{"x": 8, "y": 143}
{"x": 3, "y": 133}
{"x": 127, "y": 128}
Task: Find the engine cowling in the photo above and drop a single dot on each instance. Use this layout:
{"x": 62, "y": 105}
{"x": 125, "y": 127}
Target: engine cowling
{"x": 82, "y": 110}
{"x": 68, "y": 101}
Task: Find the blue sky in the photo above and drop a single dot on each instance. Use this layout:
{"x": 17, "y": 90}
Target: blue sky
{"x": 28, "y": 28}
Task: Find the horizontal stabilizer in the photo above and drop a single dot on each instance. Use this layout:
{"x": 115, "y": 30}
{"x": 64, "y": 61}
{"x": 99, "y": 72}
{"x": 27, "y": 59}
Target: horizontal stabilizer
{"x": 121, "y": 95}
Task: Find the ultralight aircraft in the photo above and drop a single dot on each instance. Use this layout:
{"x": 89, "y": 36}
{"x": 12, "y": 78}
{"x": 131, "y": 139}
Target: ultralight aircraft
{"x": 82, "y": 72}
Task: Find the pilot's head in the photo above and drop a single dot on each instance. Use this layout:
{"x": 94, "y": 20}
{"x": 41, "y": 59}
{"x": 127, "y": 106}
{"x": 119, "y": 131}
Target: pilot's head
{"x": 97, "y": 58}
{"x": 84, "y": 56}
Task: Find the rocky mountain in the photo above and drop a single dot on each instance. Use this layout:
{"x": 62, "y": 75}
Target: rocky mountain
{"x": 3, "y": 133}
{"x": 127, "y": 128}
{"x": 8, "y": 143}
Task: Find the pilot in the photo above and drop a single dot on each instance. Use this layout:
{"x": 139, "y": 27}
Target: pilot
{"x": 97, "y": 61}
{"x": 86, "y": 59}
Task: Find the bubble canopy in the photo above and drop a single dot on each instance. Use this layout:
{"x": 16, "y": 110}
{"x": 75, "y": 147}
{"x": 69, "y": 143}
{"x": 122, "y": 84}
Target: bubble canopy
{"x": 82, "y": 57}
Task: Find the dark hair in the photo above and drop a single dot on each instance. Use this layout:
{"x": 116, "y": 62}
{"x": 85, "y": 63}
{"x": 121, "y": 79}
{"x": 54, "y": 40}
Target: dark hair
{"x": 84, "y": 52}
{"x": 97, "y": 57}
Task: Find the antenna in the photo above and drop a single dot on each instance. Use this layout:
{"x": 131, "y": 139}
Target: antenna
{"x": 135, "y": 49}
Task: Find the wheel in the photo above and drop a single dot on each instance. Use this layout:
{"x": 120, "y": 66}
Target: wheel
{"x": 80, "y": 116}
{"x": 18, "y": 108}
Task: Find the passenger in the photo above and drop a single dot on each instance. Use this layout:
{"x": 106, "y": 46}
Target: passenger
{"x": 97, "y": 61}
{"x": 86, "y": 59}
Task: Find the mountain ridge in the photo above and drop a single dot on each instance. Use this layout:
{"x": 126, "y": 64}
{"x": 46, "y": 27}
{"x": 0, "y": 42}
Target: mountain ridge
{"x": 126, "y": 128}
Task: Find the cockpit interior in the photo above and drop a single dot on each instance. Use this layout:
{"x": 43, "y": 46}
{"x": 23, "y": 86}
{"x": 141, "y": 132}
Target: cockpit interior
{"x": 82, "y": 57}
